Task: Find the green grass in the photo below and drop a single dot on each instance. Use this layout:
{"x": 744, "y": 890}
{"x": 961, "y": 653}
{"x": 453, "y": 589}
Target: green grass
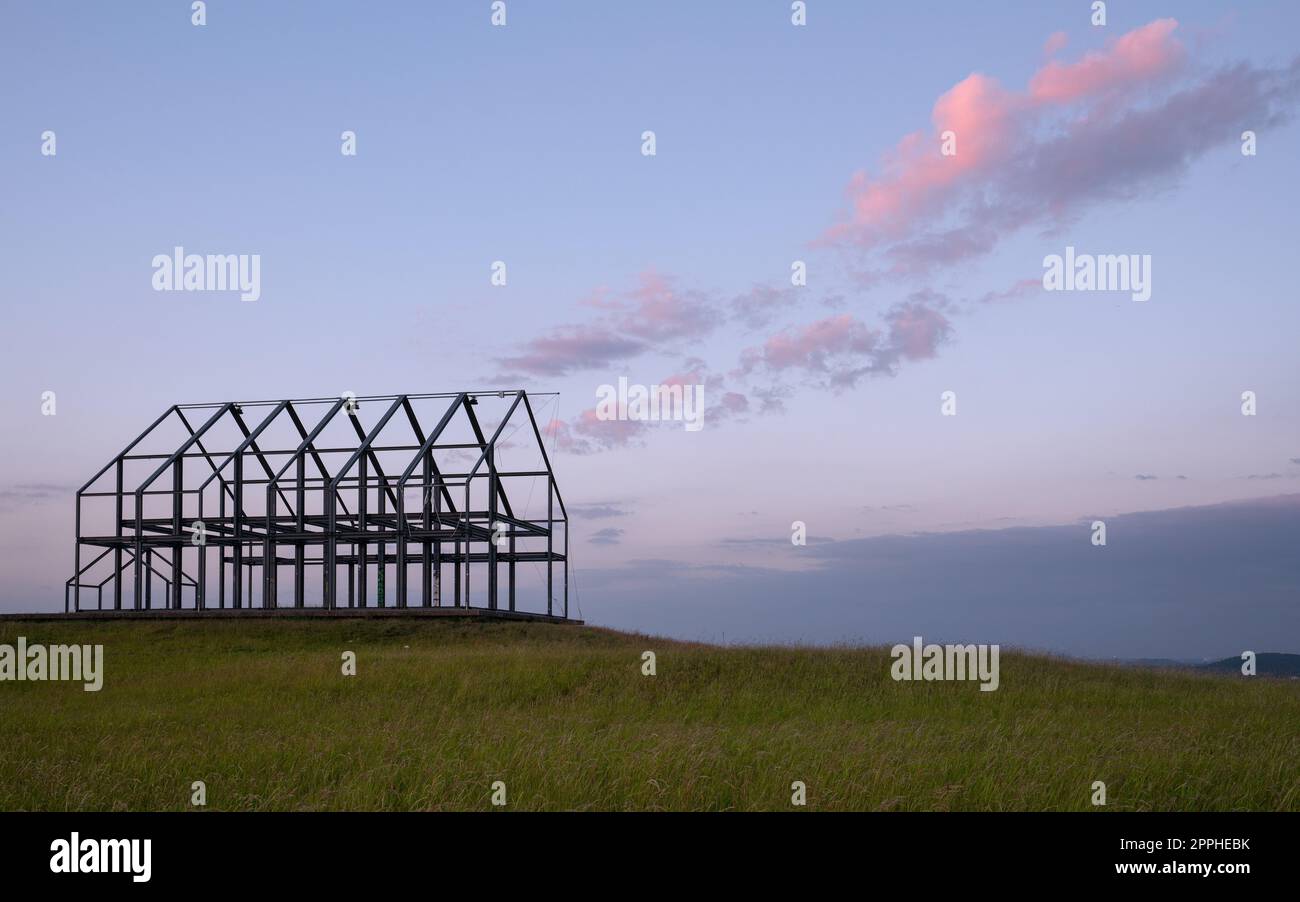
{"x": 439, "y": 710}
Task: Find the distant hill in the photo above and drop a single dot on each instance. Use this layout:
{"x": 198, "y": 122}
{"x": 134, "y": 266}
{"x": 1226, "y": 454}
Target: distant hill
{"x": 1267, "y": 663}
{"x": 1161, "y": 662}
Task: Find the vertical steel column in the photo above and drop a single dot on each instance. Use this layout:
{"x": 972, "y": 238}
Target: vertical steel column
{"x": 300, "y": 527}
{"x": 437, "y": 550}
{"x": 76, "y": 565}
{"x": 201, "y": 590}
{"x": 139, "y": 549}
{"x": 237, "y": 561}
{"x": 510, "y": 569}
{"x": 178, "y": 500}
{"x": 268, "y": 551}
{"x": 492, "y": 531}
{"x": 329, "y": 564}
{"x": 455, "y": 560}
{"x": 401, "y": 549}
{"x": 329, "y": 556}
{"x": 117, "y": 551}
{"x": 469, "y": 548}
{"x": 381, "y": 589}
{"x": 221, "y": 553}
{"x": 426, "y": 548}
{"x": 550, "y": 554}
{"x": 361, "y": 526}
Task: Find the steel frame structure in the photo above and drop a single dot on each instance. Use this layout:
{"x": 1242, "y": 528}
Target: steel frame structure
{"x": 294, "y": 512}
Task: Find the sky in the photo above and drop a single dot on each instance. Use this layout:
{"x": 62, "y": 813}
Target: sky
{"x": 820, "y": 143}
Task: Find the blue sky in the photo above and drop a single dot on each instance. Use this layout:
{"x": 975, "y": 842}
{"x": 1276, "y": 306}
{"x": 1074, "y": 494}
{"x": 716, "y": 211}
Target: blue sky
{"x": 522, "y": 144}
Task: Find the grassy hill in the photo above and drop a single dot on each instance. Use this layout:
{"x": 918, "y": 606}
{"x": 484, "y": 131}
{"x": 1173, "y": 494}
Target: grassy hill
{"x": 563, "y": 715}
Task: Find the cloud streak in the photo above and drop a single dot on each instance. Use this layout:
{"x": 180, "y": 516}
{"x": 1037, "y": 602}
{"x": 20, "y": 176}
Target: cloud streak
{"x": 838, "y": 351}
{"x": 1116, "y": 124}
{"x": 654, "y": 312}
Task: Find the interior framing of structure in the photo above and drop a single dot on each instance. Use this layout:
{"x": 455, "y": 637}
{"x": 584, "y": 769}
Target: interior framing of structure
{"x": 313, "y": 503}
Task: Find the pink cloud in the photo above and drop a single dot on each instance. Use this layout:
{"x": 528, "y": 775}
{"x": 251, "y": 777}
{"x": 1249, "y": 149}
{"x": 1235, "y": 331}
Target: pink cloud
{"x": 1055, "y": 43}
{"x": 1019, "y": 289}
{"x": 735, "y": 403}
{"x": 978, "y": 111}
{"x": 657, "y": 310}
{"x": 916, "y": 331}
{"x": 1080, "y": 133}
{"x": 838, "y": 351}
{"x": 588, "y": 434}
{"x": 760, "y": 304}
{"x": 631, "y": 324}
{"x": 693, "y": 376}
{"x": 811, "y": 347}
{"x": 1139, "y": 56}
{"x": 571, "y": 348}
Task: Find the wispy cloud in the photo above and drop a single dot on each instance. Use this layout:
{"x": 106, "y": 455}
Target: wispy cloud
{"x": 608, "y": 536}
{"x": 777, "y": 541}
{"x": 572, "y": 348}
{"x": 31, "y": 493}
{"x": 838, "y": 351}
{"x": 599, "y": 510}
{"x": 1119, "y": 123}
{"x": 654, "y": 311}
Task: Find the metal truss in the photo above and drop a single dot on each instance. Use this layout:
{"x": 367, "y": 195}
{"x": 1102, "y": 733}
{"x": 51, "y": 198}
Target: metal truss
{"x": 329, "y": 517}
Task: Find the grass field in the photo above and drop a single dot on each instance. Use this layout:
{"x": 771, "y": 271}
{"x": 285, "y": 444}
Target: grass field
{"x": 261, "y": 712}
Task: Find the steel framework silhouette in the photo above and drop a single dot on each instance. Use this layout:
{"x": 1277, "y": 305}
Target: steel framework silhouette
{"x": 313, "y": 508}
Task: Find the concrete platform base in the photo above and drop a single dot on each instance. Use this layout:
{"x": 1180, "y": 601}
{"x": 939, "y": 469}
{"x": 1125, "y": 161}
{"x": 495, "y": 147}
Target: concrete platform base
{"x": 298, "y": 613}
